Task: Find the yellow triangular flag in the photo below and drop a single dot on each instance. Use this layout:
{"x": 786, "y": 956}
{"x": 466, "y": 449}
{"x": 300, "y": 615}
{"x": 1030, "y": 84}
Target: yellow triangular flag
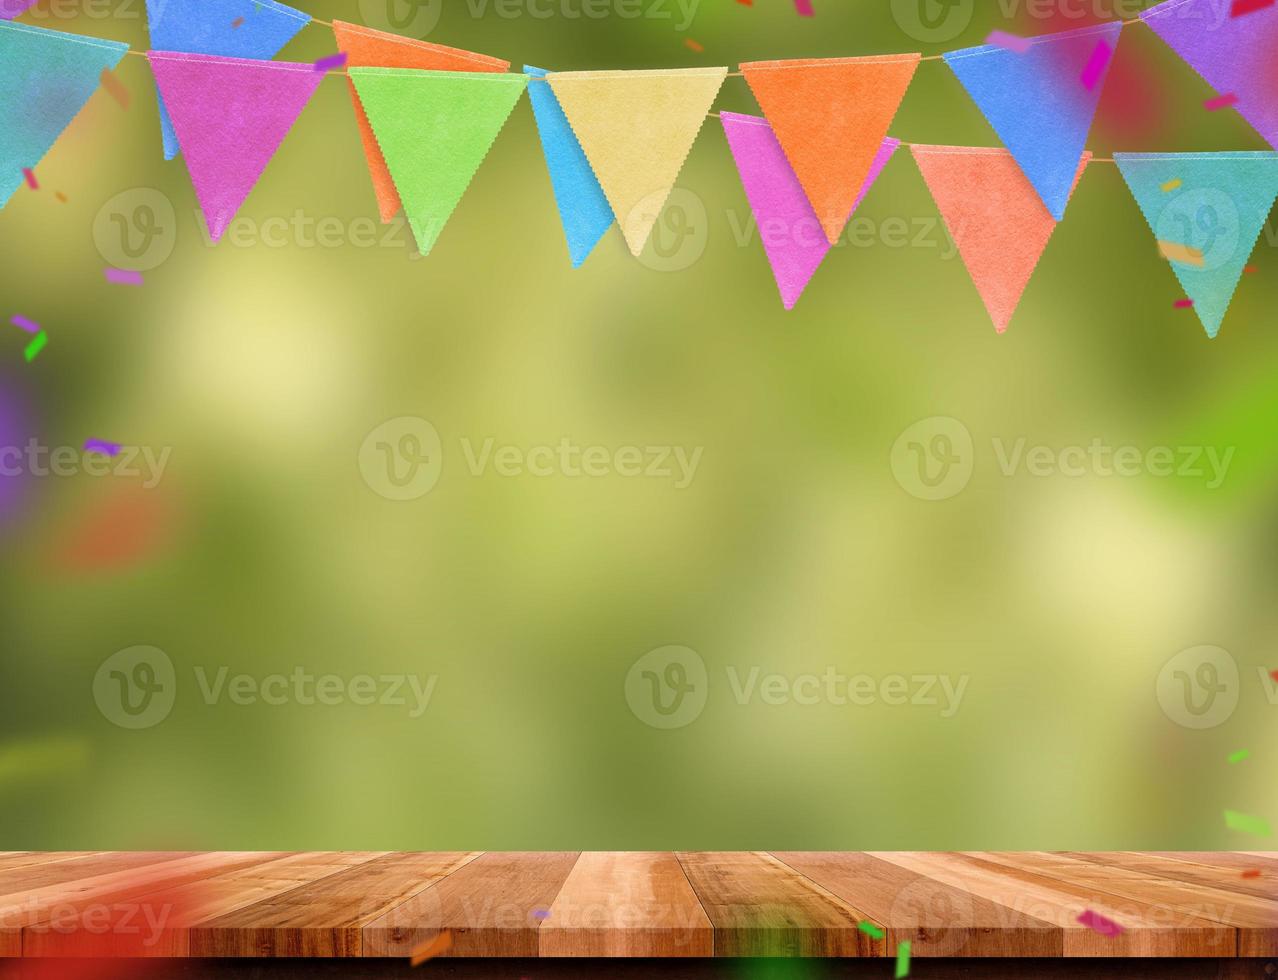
{"x": 636, "y": 128}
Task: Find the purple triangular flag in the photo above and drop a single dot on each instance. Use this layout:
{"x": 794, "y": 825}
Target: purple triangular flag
{"x": 791, "y": 232}
{"x": 231, "y": 115}
{"x": 1234, "y": 54}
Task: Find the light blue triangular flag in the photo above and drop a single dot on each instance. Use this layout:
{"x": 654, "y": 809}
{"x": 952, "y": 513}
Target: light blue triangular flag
{"x": 45, "y": 78}
{"x": 1217, "y": 204}
{"x": 255, "y": 29}
{"x": 1041, "y": 103}
{"x": 583, "y": 209}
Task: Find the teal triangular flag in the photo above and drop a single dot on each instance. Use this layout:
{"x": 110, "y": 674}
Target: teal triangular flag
{"x": 46, "y": 77}
{"x": 583, "y": 208}
{"x": 1213, "y": 203}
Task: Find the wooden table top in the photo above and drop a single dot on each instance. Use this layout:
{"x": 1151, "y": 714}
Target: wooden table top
{"x": 637, "y": 904}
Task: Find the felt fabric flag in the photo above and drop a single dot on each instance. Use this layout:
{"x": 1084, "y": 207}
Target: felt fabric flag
{"x": 434, "y": 129}
{"x": 45, "y": 77}
{"x": 793, "y": 237}
{"x": 1234, "y": 54}
{"x": 10, "y": 9}
{"x": 1038, "y": 102}
{"x": 583, "y": 207}
{"x": 637, "y": 128}
{"x": 1219, "y": 208}
{"x": 831, "y": 115}
{"x": 995, "y": 217}
{"x": 365, "y": 47}
{"x": 209, "y": 27}
{"x": 230, "y": 115}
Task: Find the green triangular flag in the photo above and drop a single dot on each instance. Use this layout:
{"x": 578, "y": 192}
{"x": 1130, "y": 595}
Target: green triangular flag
{"x": 434, "y": 129}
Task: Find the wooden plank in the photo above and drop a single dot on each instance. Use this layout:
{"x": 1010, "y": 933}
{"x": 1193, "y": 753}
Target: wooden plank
{"x": 325, "y": 918}
{"x": 1219, "y": 876}
{"x": 26, "y": 859}
{"x": 626, "y": 903}
{"x": 1150, "y": 931}
{"x": 488, "y": 906}
{"x": 935, "y": 918}
{"x": 1237, "y": 860}
{"x": 760, "y": 907}
{"x": 159, "y": 922}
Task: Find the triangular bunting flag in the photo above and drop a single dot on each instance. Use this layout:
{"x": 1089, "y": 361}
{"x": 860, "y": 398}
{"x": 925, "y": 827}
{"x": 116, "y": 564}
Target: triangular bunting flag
{"x": 637, "y": 128}
{"x": 231, "y": 115}
{"x": 792, "y": 235}
{"x": 1215, "y": 206}
{"x": 583, "y": 207}
{"x": 1041, "y": 103}
{"x": 831, "y": 115}
{"x": 10, "y": 9}
{"x": 1234, "y": 54}
{"x": 45, "y": 77}
{"x": 995, "y": 217}
{"x": 365, "y": 47}
{"x": 255, "y": 29}
{"x": 434, "y": 129}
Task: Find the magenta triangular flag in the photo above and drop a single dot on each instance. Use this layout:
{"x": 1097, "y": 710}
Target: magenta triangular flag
{"x": 791, "y": 232}
{"x": 230, "y": 115}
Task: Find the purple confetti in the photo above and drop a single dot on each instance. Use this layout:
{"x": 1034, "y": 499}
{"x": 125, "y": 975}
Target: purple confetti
{"x": 97, "y": 445}
{"x": 1095, "y": 66}
{"x": 30, "y": 326}
{"x": 123, "y": 277}
{"x": 332, "y": 61}
{"x": 1011, "y": 42}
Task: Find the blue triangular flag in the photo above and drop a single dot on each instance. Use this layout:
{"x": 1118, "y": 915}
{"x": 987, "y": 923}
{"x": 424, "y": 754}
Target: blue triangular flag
{"x": 583, "y": 209}
{"x": 1215, "y": 204}
{"x": 45, "y": 77}
{"x": 254, "y": 29}
{"x": 1041, "y": 103}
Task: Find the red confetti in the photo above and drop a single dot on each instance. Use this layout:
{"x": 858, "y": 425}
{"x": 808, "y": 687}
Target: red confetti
{"x": 31, "y": 181}
{"x": 1241, "y": 7}
{"x": 1249, "y": 269}
{"x": 1252, "y": 873}
{"x": 1274, "y": 674}
{"x": 237, "y": 22}
{"x": 1183, "y": 304}
{"x": 690, "y": 43}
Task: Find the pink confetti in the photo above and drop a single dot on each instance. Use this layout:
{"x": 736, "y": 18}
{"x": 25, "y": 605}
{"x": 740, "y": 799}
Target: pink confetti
{"x": 1183, "y": 304}
{"x": 804, "y": 7}
{"x": 1095, "y": 66}
{"x": 1221, "y": 102}
{"x": 123, "y": 277}
{"x": 28, "y": 173}
{"x": 1098, "y": 923}
{"x": 1011, "y": 42}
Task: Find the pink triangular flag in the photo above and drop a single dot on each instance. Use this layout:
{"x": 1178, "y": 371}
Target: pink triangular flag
{"x": 791, "y": 232}
{"x": 231, "y": 115}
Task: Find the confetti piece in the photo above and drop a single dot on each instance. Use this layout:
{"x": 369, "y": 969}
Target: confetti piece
{"x": 1274, "y": 674}
{"x": 1011, "y": 42}
{"x": 1246, "y": 823}
{"x": 1098, "y": 923}
{"x": 1175, "y": 252}
{"x": 1249, "y": 269}
{"x": 237, "y": 22}
{"x": 1171, "y": 185}
{"x": 97, "y": 445}
{"x": 871, "y": 930}
{"x": 1251, "y": 873}
{"x": 746, "y": 3}
{"x": 60, "y": 196}
{"x": 1095, "y": 66}
{"x": 541, "y": 914}
{"x": 804, "y": 7}
{"x": 123, "y": 277}
{"x": 37, "y": 345}
{"x": 30, "y": 326}
{"x": 28, "y": 173}
{"x": 115, "y": 88}
{"x": 1239, "y": 756}
{"x": 1183, "y": 304}
{"x": 332, "y": 61}
{"x": 432, "y": 948}
{"x": 1220, "y": 102}
{"x": 1241, "y": 7}
{"x": 902, "y": 960}
{"x": 694, "y": 45}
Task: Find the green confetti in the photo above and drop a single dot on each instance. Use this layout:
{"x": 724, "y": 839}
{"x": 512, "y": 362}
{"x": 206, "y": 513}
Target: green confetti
{"x": 36, "y": 346}
{"x": 902, "y": 960}
{"x": 1246, "y": 822}
{"x": 1239, "y": 755}
{"x": 870, "y": 929}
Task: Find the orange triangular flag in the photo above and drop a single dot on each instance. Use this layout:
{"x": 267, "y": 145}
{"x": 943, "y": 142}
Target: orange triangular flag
{"x": 367, "y": 48}
{"x": 830, "y": 116}
{"x": 995, "y": 216}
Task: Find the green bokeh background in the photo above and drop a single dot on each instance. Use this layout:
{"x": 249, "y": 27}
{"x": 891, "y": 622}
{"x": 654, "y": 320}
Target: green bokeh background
{"x": 263, "y": 368}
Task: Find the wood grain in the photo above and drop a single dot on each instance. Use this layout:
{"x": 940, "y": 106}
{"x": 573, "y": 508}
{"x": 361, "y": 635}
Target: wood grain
{"x": 626, "y": 903}
{"x": 488, "y": 906}
{"x": 761, "y": 907}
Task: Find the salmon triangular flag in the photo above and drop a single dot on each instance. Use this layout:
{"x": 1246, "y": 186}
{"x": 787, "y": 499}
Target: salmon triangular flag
{"x": 831, "y": 116}
{"x": 637, "y": 128}
{"x": 365, "y": 47}
{"x": 230, "y": 115}
{"x": 434, "y": 129}
{"x": 995, "y": 216}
